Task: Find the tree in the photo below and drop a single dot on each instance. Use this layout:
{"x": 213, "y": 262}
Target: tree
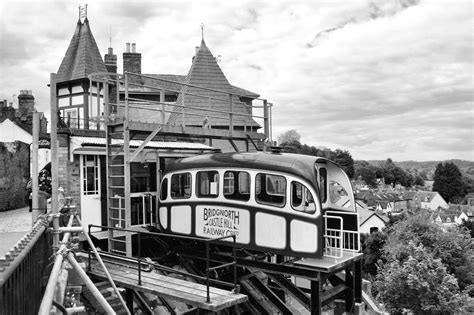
{"x": 454, "y": 246}
{"x": 419, "y": 283}
{"x": 368, "y": 174}
{"x": 344, "y": 159}
{"x": 448, "y": 182}
{"x": 289, "y": 136}
{"x": 419, "y": 181}
{"x": 372, "y": 249}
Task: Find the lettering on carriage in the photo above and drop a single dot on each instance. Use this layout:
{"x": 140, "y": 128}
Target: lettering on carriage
{"x": 220, "y": 222}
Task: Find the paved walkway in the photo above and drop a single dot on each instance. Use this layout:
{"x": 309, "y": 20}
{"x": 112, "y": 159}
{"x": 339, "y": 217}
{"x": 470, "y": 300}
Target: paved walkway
{"x": 13, "y": 225}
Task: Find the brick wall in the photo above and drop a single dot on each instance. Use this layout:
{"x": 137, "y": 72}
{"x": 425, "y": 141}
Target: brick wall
{"x": 14, "y": 174}
{"x": 68, "y": 172}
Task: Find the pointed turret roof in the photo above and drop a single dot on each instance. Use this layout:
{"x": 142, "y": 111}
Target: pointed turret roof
{"x": 205, "y": 72}
{"x": 82, "y": 56}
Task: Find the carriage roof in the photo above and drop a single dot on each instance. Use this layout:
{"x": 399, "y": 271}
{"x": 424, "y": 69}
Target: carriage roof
{"x": 294, "y": 164}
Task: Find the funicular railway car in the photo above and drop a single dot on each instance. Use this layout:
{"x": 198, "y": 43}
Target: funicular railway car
{"x": 287, "y": 204}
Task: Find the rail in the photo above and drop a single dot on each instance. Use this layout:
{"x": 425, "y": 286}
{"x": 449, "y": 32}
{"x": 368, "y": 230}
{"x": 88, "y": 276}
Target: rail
{"x": 19, "y": 276}
{"x": 207, "y": 242}
{"x": 247, "y": 116}
{"x": 337, "y": 239}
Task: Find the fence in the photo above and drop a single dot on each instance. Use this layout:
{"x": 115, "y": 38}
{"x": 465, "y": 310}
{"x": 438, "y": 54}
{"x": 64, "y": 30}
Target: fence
{"x": 21, "y": 276}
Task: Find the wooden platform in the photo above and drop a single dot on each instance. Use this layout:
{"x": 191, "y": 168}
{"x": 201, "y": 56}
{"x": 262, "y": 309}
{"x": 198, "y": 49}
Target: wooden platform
{"x": 184, "y": 291}
{"x": 101, "y": 235}
{"x": 328, "y": 264}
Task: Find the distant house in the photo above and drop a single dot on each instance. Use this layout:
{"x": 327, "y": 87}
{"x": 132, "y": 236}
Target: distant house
{"x": 450, "y": 218}
{"x": 370, "y": 221}
{"x": 15, "y": 150}
{"x": 384, "y": 206}
{"x": 466, "y": 210}
{"x": 429, "y": 200}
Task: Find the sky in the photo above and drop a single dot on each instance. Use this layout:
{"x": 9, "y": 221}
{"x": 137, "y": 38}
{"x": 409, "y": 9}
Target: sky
{"x": 379, "y": 78}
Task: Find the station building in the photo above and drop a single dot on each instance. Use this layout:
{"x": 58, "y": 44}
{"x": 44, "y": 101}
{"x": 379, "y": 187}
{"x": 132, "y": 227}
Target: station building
{"x": 80, "y": 94}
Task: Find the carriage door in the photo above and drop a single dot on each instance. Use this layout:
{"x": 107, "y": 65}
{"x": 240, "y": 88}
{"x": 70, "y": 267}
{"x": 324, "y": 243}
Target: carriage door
{"x": 90, "y": 190}
{"x": 143, "y": 193}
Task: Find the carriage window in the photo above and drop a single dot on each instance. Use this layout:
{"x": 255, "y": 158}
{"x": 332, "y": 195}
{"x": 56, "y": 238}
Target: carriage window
{"x": 237, "y": 185}
{"x": 301, "y": 198}
{"x": 207, "y": 184}
{"x": 270, "y": 189}
{"x": 164, "y": 189}
{"x": 229, "y": 183}
{"x": 181, "y": 185}
{"x": 323, "y": 174}
{"x": 337, "y": 193}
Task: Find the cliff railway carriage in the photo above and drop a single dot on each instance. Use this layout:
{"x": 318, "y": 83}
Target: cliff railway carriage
{"x": 287, "y": 204}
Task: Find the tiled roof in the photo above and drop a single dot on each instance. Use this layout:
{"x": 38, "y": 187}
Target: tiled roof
{"x": 171, "y": 86}
{"x": 365, "y": 214}
{"x": 205, "y": 72}
{"x": 82, "y": 56}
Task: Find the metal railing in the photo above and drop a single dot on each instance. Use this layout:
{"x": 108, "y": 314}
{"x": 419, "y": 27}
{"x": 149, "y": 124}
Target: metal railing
{"x": 333, "y": 238}
{"x": 141, "y": 261}
{"x": 239, "y": 114}
{"x": 21, "y": 283}
{"x": 338, "y": 240}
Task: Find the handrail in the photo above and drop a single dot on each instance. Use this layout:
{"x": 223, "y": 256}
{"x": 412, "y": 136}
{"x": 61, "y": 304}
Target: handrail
{"x": 206, "y": 241}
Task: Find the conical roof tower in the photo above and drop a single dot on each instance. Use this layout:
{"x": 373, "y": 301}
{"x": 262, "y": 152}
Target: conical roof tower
{"x": 205, "y": 72}
{"x": 82, "y": 56}
{"x": 81, "y": 105}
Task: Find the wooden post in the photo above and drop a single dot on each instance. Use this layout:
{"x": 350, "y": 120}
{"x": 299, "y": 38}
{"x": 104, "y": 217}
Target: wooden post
{"x": 106, "y": 112}
{"x": 162, "y": 101}
{"x": 34, "y": 168}
{"x": 266, "y": 127}
{"x": 126, "y": 153}
{"x": 349, "y": 295}
{"x": 231, "y": 115}
{"x": 183, "y": 116}
{"x": 358, "y": 281}
{"x": 316, "y": 302}
{"x": 54, "y": 159}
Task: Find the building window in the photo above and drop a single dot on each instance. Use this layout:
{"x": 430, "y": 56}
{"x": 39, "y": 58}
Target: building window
{"x": 71, "y": 118}
{"x": 181, "y": 186}
{"x": 374, "y": 229}
{"x": 237, "y": 185}
{"x": 270, "y": 189}
{"x": 207, "y": 184}
{"x": 91, "y": 174}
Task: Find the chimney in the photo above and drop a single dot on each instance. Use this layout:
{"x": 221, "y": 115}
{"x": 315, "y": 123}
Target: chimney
{"x": 111, "y": 61}
{"x": 132, "y": 62}
{"x": 26, "y": 102}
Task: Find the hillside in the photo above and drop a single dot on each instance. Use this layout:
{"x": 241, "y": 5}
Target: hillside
{"x": 428, "y": 167}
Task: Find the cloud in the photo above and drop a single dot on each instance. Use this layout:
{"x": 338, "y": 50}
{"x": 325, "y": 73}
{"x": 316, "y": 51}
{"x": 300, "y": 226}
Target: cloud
{"x": 378, "y": 78}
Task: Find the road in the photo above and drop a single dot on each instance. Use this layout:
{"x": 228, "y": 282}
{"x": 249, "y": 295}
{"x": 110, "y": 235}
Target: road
{"x": 13, "y": 225}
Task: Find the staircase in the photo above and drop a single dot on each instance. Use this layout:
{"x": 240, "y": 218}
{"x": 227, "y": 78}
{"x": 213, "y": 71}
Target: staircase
{"x": 118, "y": 193}
{"x": 108, "y": 293}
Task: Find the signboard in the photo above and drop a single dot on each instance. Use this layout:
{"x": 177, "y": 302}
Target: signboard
{"x": 217, "y": 221}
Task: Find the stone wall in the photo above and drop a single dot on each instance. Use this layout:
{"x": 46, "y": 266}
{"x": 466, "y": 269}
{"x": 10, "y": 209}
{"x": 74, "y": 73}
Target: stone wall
{"x": 14, "y": 174}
